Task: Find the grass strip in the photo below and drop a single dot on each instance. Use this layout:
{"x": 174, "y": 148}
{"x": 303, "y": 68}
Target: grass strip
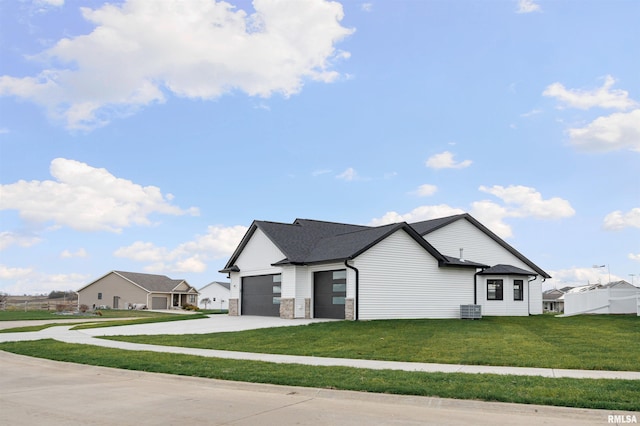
{"x": 164, "y": 318}
{"x": 581, "y": 393}
{"x": 49, "y": 315}
{"x": 597, "y": 342}
{"x": 32, "y": 328}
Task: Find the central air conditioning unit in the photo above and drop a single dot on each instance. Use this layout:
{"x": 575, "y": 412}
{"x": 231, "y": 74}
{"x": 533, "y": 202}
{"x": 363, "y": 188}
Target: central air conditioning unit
{"x": 470, "y": 312}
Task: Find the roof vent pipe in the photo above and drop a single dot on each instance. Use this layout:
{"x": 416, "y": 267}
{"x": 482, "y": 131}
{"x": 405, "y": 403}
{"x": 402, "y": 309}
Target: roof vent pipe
{"x": 461, "y": 257}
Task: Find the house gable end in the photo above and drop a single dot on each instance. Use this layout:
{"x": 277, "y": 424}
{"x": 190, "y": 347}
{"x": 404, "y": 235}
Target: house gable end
{"x": 441, "y": 238}
{"x": 119, "y": 274}
{"x": 259, "y": 253}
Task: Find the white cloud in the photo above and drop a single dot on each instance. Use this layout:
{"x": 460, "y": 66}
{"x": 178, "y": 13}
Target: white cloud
{"x": 366, "y": 7}
{"x": 531, "y": 113}
{"x": 492, "y": 216}
{"x": 425, "y": 190}
{"x": 67, "y": 254}
{"x": 523, "y": 201}
{"x": 140, "y": 50}
{"x": 86, "y": 199}
{"x": 8, "y": 238}
{"x": 31, "y": 281}
{"x": 390, "y": 175}
{"x": 191, "y": 256}
{"x": 7, "y": 273}
{"x": 4, "y": 131}
{"x": 445, "y": 160}
{"x": 634, "y": 256}
{"x": 321, "y": 172}
{"x": 349, "y": 175}
{"x": 520, "y": 202}
{"x": 618, "y": 220}
{"x": 527, "y": 6}
{"x": 578, "y": 276}
{"x": 416, "y": 215}
{"x": 56, "y": 3}
{"x": 602, "y": 97}
{"x": 616, "y": 131}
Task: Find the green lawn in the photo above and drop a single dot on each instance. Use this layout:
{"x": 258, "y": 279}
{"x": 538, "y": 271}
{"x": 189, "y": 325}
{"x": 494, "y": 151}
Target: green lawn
{"x": 128, "y": 318}
{"x": 52, "y": 315}
{"x": 598, "y": 342}
{"x": 584, "y": 393}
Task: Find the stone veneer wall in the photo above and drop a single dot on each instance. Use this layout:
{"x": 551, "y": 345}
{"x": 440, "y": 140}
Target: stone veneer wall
{"x": 307, "y": 308}
{"x": 349, "y": 312}
{"x": 233, "y": 307}
{"x": 287, "y": 308}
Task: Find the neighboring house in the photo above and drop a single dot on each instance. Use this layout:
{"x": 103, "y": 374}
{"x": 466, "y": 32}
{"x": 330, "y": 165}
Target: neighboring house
{"x": 217, "y": 293}
{"x": 620, "y": 284}
{"x": 316, "y": 269}
{"x": 128, "y": 290}
{"x": 618, "y": 297}
{"x": 552, "y": 300}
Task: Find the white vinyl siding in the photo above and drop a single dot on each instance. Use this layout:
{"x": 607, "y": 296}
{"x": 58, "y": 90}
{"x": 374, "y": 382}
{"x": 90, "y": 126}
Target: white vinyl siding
{"x": 255, "y": 259}
{"x": 507, "y": 306}
{"x": 478, "y": 246}
{"x": 217, "y": 292}
{"x": 258, "y": 256}
{"x": 399, "y": 279}
{"x": 533, "y": 294}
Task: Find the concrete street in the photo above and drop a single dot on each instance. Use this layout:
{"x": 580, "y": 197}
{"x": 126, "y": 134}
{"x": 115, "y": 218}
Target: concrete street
{"x": 36, "y": 391}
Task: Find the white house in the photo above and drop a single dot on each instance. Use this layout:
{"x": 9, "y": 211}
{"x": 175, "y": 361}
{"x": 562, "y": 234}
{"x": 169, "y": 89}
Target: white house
{"x": 217, "y": 293}
{"x": 316, "y": 269}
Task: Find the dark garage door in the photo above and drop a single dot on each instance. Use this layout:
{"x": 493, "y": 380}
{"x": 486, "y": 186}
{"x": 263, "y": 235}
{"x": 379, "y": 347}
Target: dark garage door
{"x": 261, "y": 295}
{"x": 329, "y": 293}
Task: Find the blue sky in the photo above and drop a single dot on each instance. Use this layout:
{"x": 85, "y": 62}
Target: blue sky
{"x": 146, "y": 136}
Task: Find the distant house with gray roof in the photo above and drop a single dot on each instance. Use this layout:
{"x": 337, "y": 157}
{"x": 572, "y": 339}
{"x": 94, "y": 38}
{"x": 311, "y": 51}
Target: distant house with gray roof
{"x": 318, "y": 269}
{"x": 553, "y": 300}
{"x": 129, "y": 290}
{"x": 215, "y": 295}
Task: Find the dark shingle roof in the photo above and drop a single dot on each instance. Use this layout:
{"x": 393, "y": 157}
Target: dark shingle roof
{"x": 428, "y": 226}
{"x": 453, "y": 261}
{"x": 296, "y": 241}
{"x": 553, "y": 294}
{"x": 151, "y": 282}
{"x": 311, "y": 241}
{"x": 506, "y": 270}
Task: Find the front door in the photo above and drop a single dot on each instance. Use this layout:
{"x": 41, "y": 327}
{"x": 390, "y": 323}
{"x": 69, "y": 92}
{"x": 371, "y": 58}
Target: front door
{"x": 329, "y": 294}
{"x": 116, "y": 299}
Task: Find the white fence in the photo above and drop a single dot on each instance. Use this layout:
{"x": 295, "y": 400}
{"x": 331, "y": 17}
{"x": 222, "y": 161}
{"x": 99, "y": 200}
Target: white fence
{"x": 603, "y": 301}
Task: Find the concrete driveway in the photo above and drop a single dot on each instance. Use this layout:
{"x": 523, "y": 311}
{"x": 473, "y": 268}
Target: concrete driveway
{"x": 38, "y": 391}
{"x": 211, "y": 324}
